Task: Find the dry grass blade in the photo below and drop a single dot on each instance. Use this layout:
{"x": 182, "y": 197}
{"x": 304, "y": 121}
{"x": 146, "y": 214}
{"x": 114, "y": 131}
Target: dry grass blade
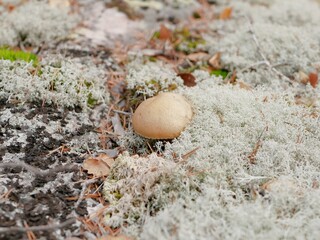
{"x": 188, "y": 154}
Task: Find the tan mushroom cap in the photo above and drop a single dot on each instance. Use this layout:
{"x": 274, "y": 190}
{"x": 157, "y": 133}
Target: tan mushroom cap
{"x": 164, "y": 116}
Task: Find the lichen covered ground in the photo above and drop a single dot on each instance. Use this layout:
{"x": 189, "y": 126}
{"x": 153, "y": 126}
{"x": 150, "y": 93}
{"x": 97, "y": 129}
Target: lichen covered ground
{"x": 246, "y": 167}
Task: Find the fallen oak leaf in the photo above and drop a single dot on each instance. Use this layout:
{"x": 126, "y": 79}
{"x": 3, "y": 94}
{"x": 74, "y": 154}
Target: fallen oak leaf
{"x": 98, "y": 166}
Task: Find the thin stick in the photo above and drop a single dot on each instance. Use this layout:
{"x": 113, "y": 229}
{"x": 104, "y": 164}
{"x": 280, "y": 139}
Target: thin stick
{"x": 252, "y": 155}
{"x": 30, "y": 234}
{"x": 49, "y": 227}
{"x": 83, "y": 190}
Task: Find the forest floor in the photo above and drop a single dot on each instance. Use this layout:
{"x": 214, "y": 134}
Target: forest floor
{"x": 253, "y": 65}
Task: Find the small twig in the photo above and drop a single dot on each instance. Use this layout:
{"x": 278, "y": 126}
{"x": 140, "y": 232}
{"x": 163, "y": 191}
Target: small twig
{"x": 252, "y": 155}
{"x": 281, "y": 64}
{"x": 30, "y": 234}
{"x": 49, "y": 227}
{"x": 257, "y": 64}
{"x": 38, "y": 171}
{"x": 6, "y": 194}
{"x": 83, "y": 190}
{"x": 250, "y": 178}
{"x": 61, "y": 148}
{"x": 149, "y": 146}
{"x": 188, "y": 154}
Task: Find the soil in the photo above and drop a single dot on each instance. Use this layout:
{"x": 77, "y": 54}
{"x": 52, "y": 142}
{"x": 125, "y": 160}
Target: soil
{"x": 35, "y": 199}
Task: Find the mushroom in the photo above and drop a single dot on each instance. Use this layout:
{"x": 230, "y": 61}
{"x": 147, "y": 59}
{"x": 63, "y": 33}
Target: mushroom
{"x": 164, "y": 116}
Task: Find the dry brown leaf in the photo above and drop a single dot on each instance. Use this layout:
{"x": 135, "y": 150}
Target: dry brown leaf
{"x": 226, "y": 13}
{"x": 214, "y": 61}
{"x": 313, "y": 79}
{"x": 164, "y": 33}
{"x": 98, "y": 166}
{"x": 188, "y": 79}
{"x": 198, "y": 56}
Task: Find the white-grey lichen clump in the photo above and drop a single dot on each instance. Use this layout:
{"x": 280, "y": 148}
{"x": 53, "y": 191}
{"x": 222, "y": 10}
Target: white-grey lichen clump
{"x": 286, "y": 36}
{"x": 242, "y": 139}
{"x": 139, "y": 187}
{"x": 66, "y": 83}
{"x": 150, "y": 78}
{"x": 35, "y": 23}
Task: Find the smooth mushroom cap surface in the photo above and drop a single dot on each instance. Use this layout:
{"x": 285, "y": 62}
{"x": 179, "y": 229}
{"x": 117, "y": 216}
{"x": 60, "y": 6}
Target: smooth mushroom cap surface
{"x": 164, "y": 116}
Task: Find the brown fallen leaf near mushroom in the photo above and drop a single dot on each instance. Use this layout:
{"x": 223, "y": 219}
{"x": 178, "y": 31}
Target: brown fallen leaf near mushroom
{"x": 164, "y": 116}
{"x": 98, "y": 166}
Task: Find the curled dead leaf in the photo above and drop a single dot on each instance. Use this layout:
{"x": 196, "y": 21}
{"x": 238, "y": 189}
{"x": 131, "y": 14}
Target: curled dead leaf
{"x": 188, "y": 79}
{"x": 214, "y": 61}
{"x": 98, "y": 166}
